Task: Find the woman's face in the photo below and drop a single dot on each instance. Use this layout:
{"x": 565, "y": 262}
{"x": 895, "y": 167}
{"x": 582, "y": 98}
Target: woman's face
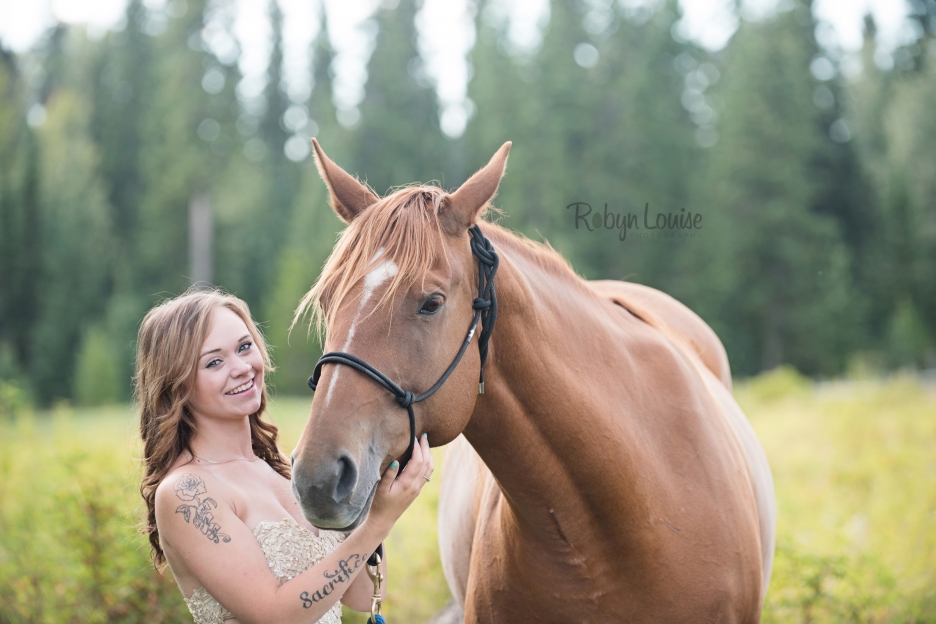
{"x": 229, "y": 375}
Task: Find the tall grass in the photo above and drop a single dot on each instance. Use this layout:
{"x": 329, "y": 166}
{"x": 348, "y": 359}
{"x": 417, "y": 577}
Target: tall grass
{"x": 854, "y": 465}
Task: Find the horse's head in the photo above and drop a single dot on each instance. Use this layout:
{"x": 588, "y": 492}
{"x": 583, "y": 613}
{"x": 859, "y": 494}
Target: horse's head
{"x": 396, "y": 292}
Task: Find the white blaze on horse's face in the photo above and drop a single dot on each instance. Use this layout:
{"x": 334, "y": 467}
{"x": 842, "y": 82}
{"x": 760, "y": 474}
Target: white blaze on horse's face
{"x": 377, "y": 276}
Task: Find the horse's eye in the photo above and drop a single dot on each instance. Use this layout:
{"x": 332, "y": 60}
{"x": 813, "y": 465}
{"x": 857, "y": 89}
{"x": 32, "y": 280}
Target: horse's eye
{"x": 431, "y": 305}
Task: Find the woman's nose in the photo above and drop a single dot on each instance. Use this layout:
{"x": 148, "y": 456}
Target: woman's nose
{"x": 244, "y": 368}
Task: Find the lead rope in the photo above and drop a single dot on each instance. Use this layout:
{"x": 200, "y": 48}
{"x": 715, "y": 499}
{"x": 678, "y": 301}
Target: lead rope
{"x": 485, "y": 307}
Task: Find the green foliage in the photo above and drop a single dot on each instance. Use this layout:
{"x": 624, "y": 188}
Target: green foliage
{"x": 314, "y": 228}
{"x": 97, "y": 372}
{"x": 781, "y": 382}
{"x": 806, "y": 587}
{"x": 809, "y": 242}
{"x": 75, "y": 230}
{"x": 399, "y": 114}
{"x": 908, "y": 341}
{"x": 294, "y": 352}
{"x": 855, "y": 499}
{"x": 20, "y": 252}
{"x": 14, "y": 401}
{"x": 68, "y": 551}
{"x": 779, "y": 269}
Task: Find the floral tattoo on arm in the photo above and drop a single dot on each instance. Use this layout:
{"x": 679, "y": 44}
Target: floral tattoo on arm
{"x": 192, "y": 489}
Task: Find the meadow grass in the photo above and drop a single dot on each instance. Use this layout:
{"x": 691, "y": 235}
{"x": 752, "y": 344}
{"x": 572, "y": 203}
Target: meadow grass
{"x": 854, "y": 464}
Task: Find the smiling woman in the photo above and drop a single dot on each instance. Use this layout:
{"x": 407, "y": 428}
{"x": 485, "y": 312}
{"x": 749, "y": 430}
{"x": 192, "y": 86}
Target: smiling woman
{"x": 227, "y": 524}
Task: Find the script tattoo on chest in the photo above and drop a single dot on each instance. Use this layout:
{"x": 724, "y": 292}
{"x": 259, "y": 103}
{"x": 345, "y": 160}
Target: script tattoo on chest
{"x": 343, "y": 574}
{"x": 191, "y": 488}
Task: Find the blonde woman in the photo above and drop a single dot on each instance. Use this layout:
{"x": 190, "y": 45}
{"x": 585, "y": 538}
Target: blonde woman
{"x": 220, "y": 510}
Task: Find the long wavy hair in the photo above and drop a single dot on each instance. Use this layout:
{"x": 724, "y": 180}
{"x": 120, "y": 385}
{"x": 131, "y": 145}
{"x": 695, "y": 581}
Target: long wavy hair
{"x": 170, "y": 339}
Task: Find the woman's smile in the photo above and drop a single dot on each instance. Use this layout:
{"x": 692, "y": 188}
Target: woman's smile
{"x": 243, "y": 389}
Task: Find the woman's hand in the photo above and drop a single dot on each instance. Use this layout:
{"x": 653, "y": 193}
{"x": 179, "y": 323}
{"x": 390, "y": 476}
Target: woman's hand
{"x": 396, "y": 491}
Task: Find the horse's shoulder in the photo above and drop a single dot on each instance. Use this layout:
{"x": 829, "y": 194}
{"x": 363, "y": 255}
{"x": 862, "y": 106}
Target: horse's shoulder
{"x": 670, "y": 316}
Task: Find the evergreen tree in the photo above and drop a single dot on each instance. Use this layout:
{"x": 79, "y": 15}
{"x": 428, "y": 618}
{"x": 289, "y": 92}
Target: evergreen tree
{"x": 895, "y": 129}
{"x": 774, "y": 278}
{"x": 335, "y": 138}
{"x": 595, "y": 117}
{"x": 121, "y": 88}
{"x": 399, "y": 140}
{"x": 267, "y": 231}
{"x": 19, "y": 222}
{"x": 188, "y": 147}
{"x": 312, "y": 233}
{"x": 76, "y": 243}
{"x": 643, "y": 153}
{"x": 910, "y": 195}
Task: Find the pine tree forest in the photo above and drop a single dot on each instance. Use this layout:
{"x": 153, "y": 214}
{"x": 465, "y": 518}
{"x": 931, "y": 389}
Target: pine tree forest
{"x": 133, "y": 164}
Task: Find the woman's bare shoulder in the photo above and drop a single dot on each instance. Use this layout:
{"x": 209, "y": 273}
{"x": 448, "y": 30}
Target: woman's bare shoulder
{"x": 189, "y": 486}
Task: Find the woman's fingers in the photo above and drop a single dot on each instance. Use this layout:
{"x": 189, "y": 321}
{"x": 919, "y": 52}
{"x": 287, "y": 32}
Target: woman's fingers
{"x": 427, "y": 454}
{"x": 389, "y": 475}
{"x": 417, "y": 470}
{"x": 417, "y": 457}
{"x": 416, "y": 466}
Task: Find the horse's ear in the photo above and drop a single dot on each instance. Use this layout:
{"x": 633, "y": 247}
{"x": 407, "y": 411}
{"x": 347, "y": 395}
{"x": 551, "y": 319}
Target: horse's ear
{"x": 460, "y": 210}
{"x": 348, "y": 196}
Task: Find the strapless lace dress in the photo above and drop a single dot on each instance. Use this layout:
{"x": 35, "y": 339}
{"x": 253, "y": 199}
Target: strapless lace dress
{"x": 290, "y": 549}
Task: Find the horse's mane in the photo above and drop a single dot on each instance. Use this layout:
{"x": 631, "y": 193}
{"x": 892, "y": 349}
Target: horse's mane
{"x": 541, "y": 254}
{"x": 403, "y": 227}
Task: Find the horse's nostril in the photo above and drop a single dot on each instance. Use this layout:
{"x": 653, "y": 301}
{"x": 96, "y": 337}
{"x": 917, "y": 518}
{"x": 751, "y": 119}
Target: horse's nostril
{"x": 347, "y": 478}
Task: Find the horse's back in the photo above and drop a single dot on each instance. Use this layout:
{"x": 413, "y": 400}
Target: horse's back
{"x": 650, "y": 305}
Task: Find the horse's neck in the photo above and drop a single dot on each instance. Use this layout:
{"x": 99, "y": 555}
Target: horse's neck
{"x": 543, "y": 426}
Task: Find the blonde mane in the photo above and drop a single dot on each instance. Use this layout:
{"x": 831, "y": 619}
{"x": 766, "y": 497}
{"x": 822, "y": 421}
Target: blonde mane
{"x": 403, "y": 227}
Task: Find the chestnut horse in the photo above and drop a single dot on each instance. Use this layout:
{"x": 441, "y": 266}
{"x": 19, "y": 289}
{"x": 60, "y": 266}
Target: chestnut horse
{"x": 606, "y": 474}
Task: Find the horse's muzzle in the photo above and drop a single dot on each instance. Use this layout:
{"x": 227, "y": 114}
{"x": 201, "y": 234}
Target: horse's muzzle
{"x": 331, "y": 493}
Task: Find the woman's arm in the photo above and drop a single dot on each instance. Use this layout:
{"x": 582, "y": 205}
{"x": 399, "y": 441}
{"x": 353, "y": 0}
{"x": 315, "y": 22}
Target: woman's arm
{"x": 221, "y": 552}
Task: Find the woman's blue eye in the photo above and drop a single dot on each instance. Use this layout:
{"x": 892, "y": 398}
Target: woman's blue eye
{"x": 245, "y": 346}
{"x": 213, "y": 363}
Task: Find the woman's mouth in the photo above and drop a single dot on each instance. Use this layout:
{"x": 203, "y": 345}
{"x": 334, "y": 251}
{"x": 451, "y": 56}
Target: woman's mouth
{"x": 241, "y": 389}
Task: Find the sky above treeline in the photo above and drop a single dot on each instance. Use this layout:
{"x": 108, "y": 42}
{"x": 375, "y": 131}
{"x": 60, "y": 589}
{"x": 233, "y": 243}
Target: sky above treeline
{"x": 446, "y": 34}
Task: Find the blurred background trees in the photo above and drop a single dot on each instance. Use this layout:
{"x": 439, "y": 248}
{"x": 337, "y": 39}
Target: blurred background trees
{"x": 817, "y": 192}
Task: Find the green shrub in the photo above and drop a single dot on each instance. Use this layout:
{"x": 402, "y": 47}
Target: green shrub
{"x": 14, "y": 401}
{"x": 908, "y": 340}
{"x": 781, "y": 382}
{"x": 69, "y": 551}
{"x": 97, "y": 370}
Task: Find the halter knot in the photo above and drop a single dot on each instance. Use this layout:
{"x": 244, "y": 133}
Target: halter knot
{"x": 481, "y": 304}
{"x": 406, "y": 399}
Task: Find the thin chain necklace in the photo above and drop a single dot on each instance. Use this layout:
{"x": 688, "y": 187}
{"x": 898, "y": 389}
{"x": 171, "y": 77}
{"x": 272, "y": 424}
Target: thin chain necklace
{"x": 226, "y": 462}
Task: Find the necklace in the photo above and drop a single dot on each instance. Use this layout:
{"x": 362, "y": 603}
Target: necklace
{"x": 228, "y": 461}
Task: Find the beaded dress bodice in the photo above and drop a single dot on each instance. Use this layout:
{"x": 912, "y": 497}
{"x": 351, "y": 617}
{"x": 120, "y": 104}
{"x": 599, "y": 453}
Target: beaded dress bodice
{"x": 290, "y": 549}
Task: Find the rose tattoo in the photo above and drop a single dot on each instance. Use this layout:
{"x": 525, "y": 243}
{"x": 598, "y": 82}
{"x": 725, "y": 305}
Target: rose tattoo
{"x": 191, "y": 487}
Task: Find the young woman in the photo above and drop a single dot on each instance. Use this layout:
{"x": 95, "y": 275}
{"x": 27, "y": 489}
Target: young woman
{"x": 220, "y": 509}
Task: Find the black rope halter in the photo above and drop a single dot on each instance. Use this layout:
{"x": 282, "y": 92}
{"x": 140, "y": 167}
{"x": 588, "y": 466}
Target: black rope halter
{"x": 485, "y": 307}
